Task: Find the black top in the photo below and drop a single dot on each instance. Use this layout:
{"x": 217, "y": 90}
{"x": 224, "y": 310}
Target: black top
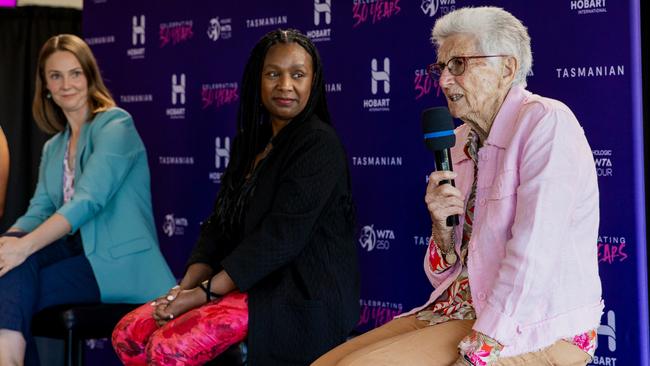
{"x": 297, "y": 257}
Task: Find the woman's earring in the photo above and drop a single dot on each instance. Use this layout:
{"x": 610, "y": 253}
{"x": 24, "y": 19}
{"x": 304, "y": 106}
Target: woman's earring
{"x": 48, "y": 95}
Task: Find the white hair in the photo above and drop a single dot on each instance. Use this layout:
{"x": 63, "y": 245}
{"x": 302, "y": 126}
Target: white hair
{"x": 497, "y": 33}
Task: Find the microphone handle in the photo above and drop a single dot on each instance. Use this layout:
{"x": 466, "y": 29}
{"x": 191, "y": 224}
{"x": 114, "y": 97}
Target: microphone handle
{"x": 443, "y": 162}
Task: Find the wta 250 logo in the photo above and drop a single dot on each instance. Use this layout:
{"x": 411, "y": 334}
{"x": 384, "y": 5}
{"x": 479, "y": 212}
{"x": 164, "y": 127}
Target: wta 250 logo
{"x": 603, "y": 160}
{"x": 174, "y": 225}
{"x": 219, "y": 29}
{"x": 432, "y": 7}
{"x": 371, "y": 239}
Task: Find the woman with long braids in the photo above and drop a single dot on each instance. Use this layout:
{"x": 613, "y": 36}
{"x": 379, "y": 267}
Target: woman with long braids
{"x": 275, "y": 263}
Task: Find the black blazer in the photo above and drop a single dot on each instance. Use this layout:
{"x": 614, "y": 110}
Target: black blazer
{"x": 297, "y": 260}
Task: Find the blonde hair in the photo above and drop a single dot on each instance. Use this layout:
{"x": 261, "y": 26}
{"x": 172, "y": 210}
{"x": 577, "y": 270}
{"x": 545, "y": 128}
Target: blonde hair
{"x": 48, "y": 115}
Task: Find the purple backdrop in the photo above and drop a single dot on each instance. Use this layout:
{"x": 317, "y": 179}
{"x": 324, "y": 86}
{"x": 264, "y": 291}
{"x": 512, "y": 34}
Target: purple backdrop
{"x": 177, "y": 70}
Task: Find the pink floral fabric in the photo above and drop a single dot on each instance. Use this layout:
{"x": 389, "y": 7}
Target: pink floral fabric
{"x": 193, "y": 338}
{"x": 481, "y": 350}
{"x": 437, "y": 262}
{"x": 68, "y": 176}
{"x": 456, "y": 301}
{"x": 587, "y": 341}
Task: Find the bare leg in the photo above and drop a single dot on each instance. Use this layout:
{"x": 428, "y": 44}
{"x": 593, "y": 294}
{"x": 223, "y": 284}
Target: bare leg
{"x": 12, "y": 348}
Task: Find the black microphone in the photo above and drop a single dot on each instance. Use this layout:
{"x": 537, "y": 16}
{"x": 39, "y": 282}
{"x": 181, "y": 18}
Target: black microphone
{"x": 438, "y": 129}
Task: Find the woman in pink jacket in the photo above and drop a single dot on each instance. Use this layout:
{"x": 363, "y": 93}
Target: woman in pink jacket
{"x": 516, "y": 282}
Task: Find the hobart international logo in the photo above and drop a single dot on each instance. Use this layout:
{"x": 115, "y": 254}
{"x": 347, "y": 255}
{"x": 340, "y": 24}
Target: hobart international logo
{"x": 322, "y": 7}
{"x": 221, "y": 158}
{"x": 138, "y": 31}
{"x": 583, "y": 7}
{"x": 178, "y": 89}
{"x": 607, "y": 333}
{"x": 378, "y": 76}
{"x": 221, "y": 152}
{"x": 609, "y": 330}
{"x": 138, "y": 37}
{"x": 379, "y": 81}
{"x": 322, "y": 14}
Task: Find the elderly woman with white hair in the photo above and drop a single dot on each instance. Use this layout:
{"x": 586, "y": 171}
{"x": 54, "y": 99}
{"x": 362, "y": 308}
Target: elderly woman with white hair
{"x": 516, "y": 282}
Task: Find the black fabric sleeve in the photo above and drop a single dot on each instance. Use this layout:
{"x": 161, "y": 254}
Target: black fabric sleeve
{"x": 310, "y": 176}
{"x": 210, "y": 247}
{"x": 206, "y": 249}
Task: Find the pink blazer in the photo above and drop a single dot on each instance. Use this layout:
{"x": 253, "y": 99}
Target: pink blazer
{"x": 532, "y": 261}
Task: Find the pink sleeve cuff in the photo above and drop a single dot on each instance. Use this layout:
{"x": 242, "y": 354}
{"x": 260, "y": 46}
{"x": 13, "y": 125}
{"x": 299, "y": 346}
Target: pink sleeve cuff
{"x": 497, "y": 325}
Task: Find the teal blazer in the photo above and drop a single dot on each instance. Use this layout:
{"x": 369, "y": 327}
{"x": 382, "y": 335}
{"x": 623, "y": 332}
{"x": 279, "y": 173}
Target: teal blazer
{"x": 111, "y": 206}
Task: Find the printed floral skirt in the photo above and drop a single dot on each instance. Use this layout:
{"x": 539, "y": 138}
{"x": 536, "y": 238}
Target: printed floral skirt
{"x": 193, "y": 338}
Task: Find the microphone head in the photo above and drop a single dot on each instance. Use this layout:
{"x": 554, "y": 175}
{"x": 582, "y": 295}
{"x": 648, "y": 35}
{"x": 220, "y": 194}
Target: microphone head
{"x": 438, "y": 128}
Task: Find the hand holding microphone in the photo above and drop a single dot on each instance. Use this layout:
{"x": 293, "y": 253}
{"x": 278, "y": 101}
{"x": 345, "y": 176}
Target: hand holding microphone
{"x": 443, "y": 202}
{"x": 443, "y": 199}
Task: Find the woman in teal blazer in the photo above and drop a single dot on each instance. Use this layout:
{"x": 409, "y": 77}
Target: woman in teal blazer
{"x": 88, "y": 234}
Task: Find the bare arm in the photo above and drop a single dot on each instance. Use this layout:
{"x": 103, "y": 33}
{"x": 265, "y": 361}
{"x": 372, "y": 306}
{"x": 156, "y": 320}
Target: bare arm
{"x": 195, "y": 274}
{"x": 14, "y": 251}
{"x": 51, "y": 230}
{"x": 189, "y": 296}
{"x": 222, "y": 283}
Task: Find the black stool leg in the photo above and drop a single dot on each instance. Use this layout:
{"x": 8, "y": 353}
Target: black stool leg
{"x": 74, "y": 355}
{"x": 79, "y": 352}
{"x": 69, "y": 345}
